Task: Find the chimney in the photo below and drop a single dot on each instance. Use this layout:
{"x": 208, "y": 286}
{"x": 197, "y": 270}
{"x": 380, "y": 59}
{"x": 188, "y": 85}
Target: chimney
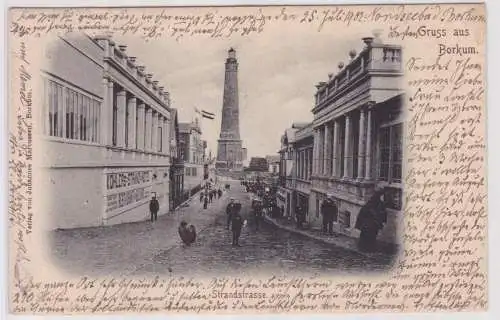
{"x": 123, "y": 48}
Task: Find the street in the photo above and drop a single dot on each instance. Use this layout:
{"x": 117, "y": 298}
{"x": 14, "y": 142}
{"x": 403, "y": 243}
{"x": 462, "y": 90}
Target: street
{"x": 155, "y": 248}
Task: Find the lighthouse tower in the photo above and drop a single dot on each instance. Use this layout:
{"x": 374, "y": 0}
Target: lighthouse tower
{"x": 230, "y": 152}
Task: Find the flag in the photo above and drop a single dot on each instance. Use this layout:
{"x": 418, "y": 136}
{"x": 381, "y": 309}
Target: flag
{"x": 208, "y": 115}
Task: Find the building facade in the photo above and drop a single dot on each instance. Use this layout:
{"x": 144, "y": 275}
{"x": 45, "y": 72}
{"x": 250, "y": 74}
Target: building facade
{"x": 301, "y": 179}
{"x": 177, "y": 164}
{"x": 286, "y": 196}
{"x": 193, "y": 154}
{"x": 105, "y": 133}
{"x": 358, "y": 134}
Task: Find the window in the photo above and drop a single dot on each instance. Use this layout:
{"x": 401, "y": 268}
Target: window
{"x": 115, "y": 119}
{"x": 318, "y": 207}
{"x": 127, "y": 116}
{"x": 71, "y": 114}
{"x": 55, "y": 109}
{"x": 160, "y": 139}
{"x": 341, "y": 149}
{"x": 390, "y": 142}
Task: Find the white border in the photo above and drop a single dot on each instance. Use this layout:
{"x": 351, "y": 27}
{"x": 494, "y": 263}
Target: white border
{"x": 493, "y": 26}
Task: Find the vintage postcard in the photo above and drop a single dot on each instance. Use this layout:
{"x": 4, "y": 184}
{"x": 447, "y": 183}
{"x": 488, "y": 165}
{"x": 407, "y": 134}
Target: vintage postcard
{"x": 274, "y": 159}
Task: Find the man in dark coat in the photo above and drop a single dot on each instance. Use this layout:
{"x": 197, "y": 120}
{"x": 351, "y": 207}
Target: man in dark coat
{"x": 258, "y": 214}
{"x": 205, "y": 202}
{"x": 236, "y": 224}
{"x": 229, "y": 211}
{"x": 371, "y": 219}
{"x": 329, "y": 211}
{"x": 154, "y": 207}
{"x": 219, "y": 192}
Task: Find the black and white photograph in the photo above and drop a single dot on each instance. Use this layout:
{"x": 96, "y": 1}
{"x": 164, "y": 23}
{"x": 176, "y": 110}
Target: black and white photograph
{"x": 235, "y": 159}
{"x": 230, "y": 158}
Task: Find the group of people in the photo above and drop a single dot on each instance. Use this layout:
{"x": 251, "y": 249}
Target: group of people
{"x": 209, "y": 195}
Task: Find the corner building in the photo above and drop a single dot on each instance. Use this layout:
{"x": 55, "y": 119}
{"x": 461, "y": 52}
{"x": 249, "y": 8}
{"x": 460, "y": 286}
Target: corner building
{"x": 358, "y": 135}
{"x": 106, "y": 134}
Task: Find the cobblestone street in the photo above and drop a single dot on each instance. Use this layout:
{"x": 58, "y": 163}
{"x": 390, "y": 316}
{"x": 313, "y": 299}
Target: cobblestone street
{"x": 155, "y": 248}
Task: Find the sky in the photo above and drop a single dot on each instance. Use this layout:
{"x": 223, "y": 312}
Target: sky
{"x": 277, "y": 75}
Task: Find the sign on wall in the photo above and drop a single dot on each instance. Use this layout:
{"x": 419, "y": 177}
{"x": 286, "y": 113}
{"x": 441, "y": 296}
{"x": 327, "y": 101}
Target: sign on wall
{"x": 125, "y": 198}
{"x": 125, "y": 180}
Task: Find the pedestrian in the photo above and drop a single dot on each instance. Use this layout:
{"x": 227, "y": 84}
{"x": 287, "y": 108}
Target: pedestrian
{"x": 371, "y": 219}
{"x": 154, "y": 207}
{"x": 329, "y": 211}
{"x": 229, "y": 211}
{"x": 201, "y": 197}
{"x": 219, "y": 193}
{"x": 298, "y": 217}
{"x": 210, "y": 196}
{"x": 236, "y": 225}
{"x": 205, "y": 202}
{"x": 258, "y": 214}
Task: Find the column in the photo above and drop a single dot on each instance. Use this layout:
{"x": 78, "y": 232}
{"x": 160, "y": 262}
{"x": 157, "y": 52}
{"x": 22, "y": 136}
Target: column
{"x": 361, "y": 144}
{"x": 154, "y": 135}
{"x": 148, "y": 126}
{"x": 347, "y": 149}
{"x": 326, "y": 150}
{"x": 121, "y": 100}
{"x": 107, "y": 112}
{"x": 316, "y": 152}
{"x": 140, "y": 125}
{"x": 368, "y": 164}
{"x": 132, "y": 114}
{"x": 335, "y": 151}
